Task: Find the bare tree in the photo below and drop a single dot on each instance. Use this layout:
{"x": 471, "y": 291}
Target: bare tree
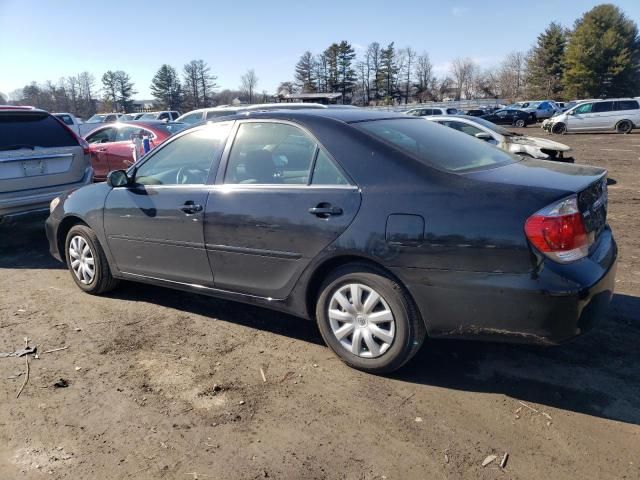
{"x": 248, "y": 84}
{"x": 462, "y": 71}
{"x": 425, "y": 80}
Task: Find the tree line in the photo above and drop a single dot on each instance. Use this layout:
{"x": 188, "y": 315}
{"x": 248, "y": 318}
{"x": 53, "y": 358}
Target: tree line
{"x": 598, "y": 57}
{"x": 79, "y": 94}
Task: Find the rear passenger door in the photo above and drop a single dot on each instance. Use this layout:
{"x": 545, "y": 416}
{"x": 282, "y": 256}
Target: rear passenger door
{"x": 602, "y": 116}
{"x": 279, "y": 200}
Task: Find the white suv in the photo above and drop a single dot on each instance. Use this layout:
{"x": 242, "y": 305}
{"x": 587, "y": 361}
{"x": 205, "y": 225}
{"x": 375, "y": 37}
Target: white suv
{"x": 616, "y": 114}
{"x": 426, "y": 111}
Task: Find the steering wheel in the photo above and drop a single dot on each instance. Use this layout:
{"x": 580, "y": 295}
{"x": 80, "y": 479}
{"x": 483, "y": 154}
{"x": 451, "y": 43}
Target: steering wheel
{"x": 187, "y": 175}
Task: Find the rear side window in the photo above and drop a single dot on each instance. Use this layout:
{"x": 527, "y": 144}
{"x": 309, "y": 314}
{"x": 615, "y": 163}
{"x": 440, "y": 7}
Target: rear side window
{"x": 33, "y": 130}
{"x": 442, "y": 148}
{"x": 627, "y": 105}
{"x": 602, "y": 107}
{"x": 270, "y": 153}
{"x": 451, "y": 111}
{"x": 66, "y": 119}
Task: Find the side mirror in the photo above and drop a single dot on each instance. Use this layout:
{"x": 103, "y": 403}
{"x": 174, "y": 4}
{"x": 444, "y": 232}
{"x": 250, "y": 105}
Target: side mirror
{"x": 118, "y": 178}
{"x": 484, "y": 136}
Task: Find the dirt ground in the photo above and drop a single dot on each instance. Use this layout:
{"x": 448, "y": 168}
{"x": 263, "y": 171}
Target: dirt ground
{"x": 164, "y": 384}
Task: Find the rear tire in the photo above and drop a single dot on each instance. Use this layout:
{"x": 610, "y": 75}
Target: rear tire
{"x": 559, "y": 128}
{"x": 87, "y": 261}
{"x": 624, "y": 126}
{"x": 375, "y": 335}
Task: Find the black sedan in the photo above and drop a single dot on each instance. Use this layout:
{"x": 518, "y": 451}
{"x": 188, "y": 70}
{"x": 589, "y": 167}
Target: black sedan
{"x": 509, "y": 116}
{"x": 382, "y": 227}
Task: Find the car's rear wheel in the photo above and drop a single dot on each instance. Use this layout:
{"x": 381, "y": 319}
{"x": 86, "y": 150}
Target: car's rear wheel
{"x": 559, "y": 128}
{"x": 520, "y": 123}
{"x": 624, "y": 126}
{"x": 87, "y": 262}
{"x": 368, "y": 319}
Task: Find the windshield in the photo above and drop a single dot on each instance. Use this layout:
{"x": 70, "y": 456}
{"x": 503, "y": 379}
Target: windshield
{"x": 148, "y": 116}
{"x": 493, "y": 126}
{"x": 435, "y": 145}
{"x": 97, "y": 119}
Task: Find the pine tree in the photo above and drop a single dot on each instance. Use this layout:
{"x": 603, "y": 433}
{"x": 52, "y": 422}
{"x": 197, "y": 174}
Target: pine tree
{"x": 124, "y": 90}
{"x": 388, "y": 72}
{"x": 305, "y": 75}
{"x": 545, "y": 65}
{"x": 110, "y": 89}
{"x": 603, "y": 55}
{"x": 166, "y": 87}
{"x": 346, "y": 75}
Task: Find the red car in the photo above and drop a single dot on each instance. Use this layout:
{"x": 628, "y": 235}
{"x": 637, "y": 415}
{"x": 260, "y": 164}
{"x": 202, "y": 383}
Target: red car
{"x": 112, "y": 146}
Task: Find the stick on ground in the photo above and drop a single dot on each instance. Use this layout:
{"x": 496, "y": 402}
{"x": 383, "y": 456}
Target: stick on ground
{"x": 26, "y": 378}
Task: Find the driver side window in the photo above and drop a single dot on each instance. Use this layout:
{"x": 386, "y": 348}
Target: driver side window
{"x": 187, "y": 160}
{"x": 104, "y": 135}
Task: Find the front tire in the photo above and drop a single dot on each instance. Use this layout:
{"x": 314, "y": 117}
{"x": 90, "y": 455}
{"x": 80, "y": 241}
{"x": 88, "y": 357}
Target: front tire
{"x": 87, "y": 261}
{"x": 559, "y": 128}
{"x": 368, "y": 319}
{"x": 520, "y": 123}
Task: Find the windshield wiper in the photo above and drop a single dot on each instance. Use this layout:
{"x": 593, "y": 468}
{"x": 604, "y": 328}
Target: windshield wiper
{"x": 17, "y": 146}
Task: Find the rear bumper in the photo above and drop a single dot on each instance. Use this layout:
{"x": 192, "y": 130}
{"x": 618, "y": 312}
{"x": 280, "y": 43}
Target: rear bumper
{"x": 16, "y": 204}
{"x": 549, "y": 306}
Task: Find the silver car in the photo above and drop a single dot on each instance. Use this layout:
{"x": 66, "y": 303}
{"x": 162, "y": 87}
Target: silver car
{"x": 504, "y": 139}
{"x": 426, "y": 111}
{"x": 204, "y": 114}
{"x": 616, "y": 114}
{"x": 40, "y": 158}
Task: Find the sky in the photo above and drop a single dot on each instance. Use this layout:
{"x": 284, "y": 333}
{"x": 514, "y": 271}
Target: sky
{"x": 46, "y": 39}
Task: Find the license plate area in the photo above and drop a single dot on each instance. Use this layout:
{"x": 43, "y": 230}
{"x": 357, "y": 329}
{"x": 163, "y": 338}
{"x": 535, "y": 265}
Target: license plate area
{"x": 34, "y": 167}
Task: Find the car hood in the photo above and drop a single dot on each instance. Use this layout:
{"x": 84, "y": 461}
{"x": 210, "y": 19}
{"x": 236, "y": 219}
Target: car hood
{"x": 538, "y": 142}
{"x": 564, "y": 177}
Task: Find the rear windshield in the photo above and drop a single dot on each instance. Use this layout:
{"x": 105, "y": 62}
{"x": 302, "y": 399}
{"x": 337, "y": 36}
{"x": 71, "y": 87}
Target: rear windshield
{"x": 33, "y": 130}
{"x": 436, "y": 145}
{"x": 97, "y": 118}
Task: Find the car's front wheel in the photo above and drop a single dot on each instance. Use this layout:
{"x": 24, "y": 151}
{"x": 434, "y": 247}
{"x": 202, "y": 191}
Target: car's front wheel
{"x": 520, "y": 123}
{"x": 559, "y": 128}
{"x": 368, "y": 319}
{"x": 87, "y": 261}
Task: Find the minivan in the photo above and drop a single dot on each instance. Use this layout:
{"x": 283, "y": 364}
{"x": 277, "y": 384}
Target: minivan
{"x": 616, "y": 114}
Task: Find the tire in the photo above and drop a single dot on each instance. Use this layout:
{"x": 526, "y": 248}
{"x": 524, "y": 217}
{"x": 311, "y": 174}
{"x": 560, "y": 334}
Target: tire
{"x": 559, "y": 128}
{"x": 398, "y": 340}
{"x": 624, "y": 126}
{"x": 82, "y": 245}
{"x": 520, "y": 123}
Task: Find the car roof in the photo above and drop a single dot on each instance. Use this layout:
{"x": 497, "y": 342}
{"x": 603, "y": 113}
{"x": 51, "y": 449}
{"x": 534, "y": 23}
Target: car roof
{"x": 346, "y": 115}
{"x": 20, "y": 108}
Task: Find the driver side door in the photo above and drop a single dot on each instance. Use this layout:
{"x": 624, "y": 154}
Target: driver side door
{"x": 154, "y": 226}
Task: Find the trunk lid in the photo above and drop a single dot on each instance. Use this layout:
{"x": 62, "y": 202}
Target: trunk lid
{"x": 37, "y": 151}
{"x": 555, "y": 180}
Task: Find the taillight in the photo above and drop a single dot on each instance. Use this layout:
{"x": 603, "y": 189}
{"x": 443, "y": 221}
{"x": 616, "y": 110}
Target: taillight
{"x": 558, "y": 231}
{"x": 86, "y": 148}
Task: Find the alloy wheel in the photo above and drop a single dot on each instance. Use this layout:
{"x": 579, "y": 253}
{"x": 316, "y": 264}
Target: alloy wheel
{"x": 361, "y": 320}
{"x": 82, "y": 260}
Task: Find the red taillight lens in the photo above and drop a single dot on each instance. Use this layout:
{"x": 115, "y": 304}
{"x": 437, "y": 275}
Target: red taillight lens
{"x": 558, "y": 231}
{"x": 85, "y": 146}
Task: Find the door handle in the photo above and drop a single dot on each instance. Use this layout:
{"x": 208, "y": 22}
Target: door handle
{"x": 190, "y": 208}
{"x": 103, "y": 149}
{"x": 325, "y": 210}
